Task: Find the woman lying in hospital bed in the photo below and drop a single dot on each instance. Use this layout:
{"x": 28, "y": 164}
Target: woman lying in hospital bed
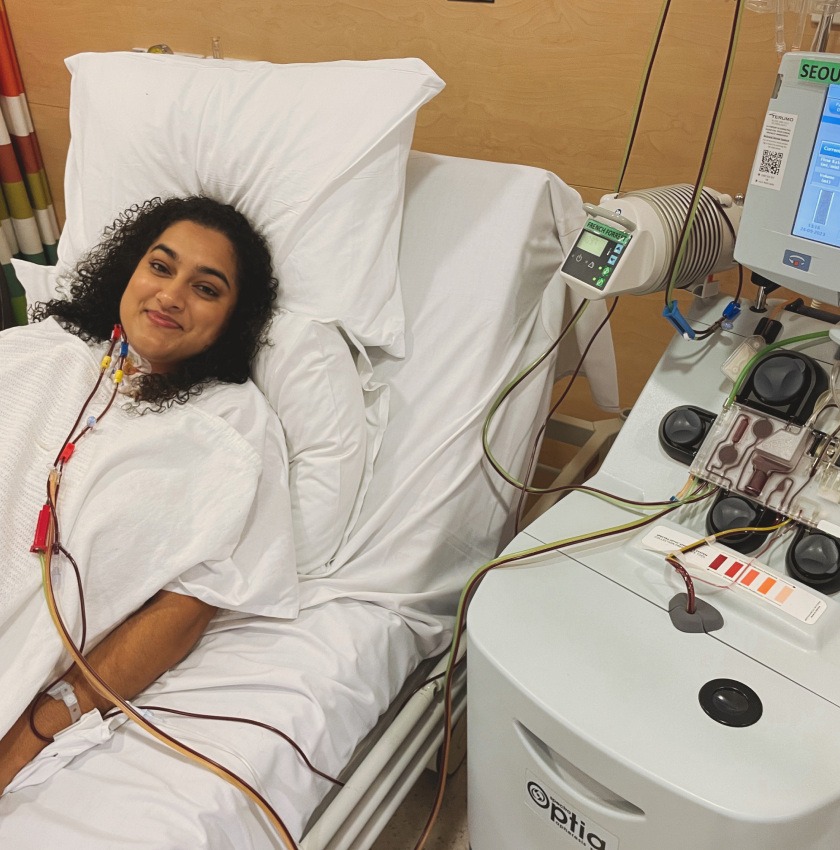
{"x": 393, "y": 505}
{"x": 165, "y": 504}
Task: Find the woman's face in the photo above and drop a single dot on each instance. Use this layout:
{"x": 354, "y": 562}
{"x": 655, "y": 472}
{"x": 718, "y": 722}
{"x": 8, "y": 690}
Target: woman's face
{"x": 181, "y": 295}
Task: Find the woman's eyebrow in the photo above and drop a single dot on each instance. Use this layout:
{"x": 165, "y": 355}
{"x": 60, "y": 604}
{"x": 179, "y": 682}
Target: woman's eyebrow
{"x": 201, "y": 269}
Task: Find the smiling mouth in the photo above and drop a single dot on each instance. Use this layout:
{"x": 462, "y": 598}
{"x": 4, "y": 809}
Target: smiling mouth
{"x": 161, "y": 320}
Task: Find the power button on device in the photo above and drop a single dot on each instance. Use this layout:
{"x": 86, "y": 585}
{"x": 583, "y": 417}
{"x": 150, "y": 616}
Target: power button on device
{"x": 730, "y": 703}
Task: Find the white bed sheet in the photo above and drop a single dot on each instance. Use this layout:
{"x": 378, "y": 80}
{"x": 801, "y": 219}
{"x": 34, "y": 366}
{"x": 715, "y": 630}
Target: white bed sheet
{"x": 480, "y": 248}
{"x": 324, "y": 679}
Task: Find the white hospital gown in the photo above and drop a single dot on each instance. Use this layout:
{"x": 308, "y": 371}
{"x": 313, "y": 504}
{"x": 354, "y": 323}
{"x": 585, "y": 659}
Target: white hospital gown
{"x": 194, "y": 500}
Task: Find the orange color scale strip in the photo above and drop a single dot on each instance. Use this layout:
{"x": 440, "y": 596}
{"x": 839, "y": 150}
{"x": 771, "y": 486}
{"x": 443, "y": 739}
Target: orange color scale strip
{"x": 766, "y": 586}
{"x": 783, "y": 594}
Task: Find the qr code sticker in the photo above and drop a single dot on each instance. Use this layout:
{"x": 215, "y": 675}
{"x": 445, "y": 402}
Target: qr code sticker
{"x": 771, "y": 162}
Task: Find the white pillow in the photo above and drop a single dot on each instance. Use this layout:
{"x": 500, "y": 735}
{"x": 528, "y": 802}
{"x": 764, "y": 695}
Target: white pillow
{"x": 40, "y": 283}
{"x": 309, "y": 377}
{"x": 332, "y": 417}
{"x": 314, "y": 155}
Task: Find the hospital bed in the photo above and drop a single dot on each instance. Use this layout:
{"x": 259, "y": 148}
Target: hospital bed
{"x": 479, "y": 248}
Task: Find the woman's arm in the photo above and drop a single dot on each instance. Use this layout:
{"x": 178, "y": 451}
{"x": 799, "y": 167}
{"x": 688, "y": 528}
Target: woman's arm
{"x": 135, "y": 654}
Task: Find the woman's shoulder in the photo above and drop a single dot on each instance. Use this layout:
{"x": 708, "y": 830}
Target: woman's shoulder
{"x": 224, "y": 399}
{"x": 242, "y": 406}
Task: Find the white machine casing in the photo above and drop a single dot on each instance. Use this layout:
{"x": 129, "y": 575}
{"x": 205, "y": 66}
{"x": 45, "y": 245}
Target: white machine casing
{"x": 585, "y": 725}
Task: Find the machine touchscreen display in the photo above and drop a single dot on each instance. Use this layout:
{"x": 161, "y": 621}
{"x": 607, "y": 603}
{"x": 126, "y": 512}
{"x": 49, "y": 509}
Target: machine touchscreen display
{"x": 818, "y": 216}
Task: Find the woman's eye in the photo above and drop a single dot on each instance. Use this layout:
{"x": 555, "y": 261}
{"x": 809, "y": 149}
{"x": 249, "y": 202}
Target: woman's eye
{"x": 158, "y": 266}
{"x": 207, "y": 290}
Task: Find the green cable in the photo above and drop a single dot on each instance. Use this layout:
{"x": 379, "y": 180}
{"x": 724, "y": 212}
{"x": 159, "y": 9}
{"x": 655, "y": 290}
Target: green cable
{"x": 701, "y": 177}
{"x": 696, "y": 494}
{"x": 501, "y": 398}
{"x": 642, "y": 88}
{"x": 739, "y": 381}
{"x": 508, "y": 389}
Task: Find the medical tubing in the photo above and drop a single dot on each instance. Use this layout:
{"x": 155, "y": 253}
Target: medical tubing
{"x": 43, "y": 692}
{"x": 106, "y": 692}
{"x": 31, "y": 714}
{"x": 804, "y": 12}
{"x": 834, "y": 382}
{"x": 460, "y": 618}
{"x": 676, "y": 261}
{"x": 701, "y": 335}
{"x": 288, "y": 739}
{"x": 513, "y": 384}
{"x": 53, "y": 485}
{"x": 779, "y": 28}
{"x": 82, "y": 641}
{"x": 781, "y": 343}
{"x": 702, "y": 541}
{"x": 715, "y": 326}
{"x": 690, "y": 596}
{"x": 62, "y": 459}
{"x": 640, "y": 98}
{"x": 553, "y": 409}
{"x": 102, "y": 369}
{"x": 817, "y": 460}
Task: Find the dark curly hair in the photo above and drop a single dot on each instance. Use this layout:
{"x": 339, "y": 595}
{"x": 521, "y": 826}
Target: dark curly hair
{"x": 98, "y": 281}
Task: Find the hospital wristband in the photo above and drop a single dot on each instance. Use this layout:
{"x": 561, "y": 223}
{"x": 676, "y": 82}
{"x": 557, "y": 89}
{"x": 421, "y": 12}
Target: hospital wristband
{"x": 64, "y": 692}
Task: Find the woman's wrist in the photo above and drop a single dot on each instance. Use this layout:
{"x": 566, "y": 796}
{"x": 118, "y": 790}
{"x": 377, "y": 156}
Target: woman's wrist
{"x": 49, "y": 717}
{"x": 20, "y": 745}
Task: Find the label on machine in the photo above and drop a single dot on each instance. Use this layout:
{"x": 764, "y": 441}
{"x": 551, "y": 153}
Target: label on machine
{"x": 741, "y": 572}
{"x": 773, "y": 149}
{"x": 549, "y": 805}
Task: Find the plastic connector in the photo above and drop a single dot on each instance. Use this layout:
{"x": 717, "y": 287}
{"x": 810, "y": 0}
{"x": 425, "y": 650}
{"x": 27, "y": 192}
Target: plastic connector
{"x": 732, "y": 310}
{"x": 117, "y": 332}
{"x": 730, "y": 313}
{"x": 123, "y": 349}
{"x": 39, "y": 544}
{"x": 67, "y": 453}
{"x": 673, "y": 315}
{"x": 737, "y": 361}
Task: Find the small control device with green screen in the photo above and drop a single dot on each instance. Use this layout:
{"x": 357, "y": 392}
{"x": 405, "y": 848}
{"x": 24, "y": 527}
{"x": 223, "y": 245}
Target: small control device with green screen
{"x": 596, "y": 254}
{"x": 629, "y": 242}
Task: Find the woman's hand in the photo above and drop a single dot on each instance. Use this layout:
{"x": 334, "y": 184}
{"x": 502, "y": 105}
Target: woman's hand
{"x": 135, "y": 654}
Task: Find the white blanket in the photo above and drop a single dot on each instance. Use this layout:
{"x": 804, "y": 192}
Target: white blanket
{"x": 323, "y": 679}
{"x": 146, "y": 502}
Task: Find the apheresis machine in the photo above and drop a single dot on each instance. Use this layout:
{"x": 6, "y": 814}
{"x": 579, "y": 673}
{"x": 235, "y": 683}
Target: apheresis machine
{"x": 671, "y": 679}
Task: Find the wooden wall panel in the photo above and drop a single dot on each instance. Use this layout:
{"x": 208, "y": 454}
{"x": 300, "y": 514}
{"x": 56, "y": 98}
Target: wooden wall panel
{"x": 550, "y": 83}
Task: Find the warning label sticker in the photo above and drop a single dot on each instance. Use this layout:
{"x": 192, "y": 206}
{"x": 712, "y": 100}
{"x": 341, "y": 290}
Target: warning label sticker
{"x": 547, "y": 804}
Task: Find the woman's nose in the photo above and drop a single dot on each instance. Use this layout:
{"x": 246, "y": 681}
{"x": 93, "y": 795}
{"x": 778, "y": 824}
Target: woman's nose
{"x": 170, "y": 295}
